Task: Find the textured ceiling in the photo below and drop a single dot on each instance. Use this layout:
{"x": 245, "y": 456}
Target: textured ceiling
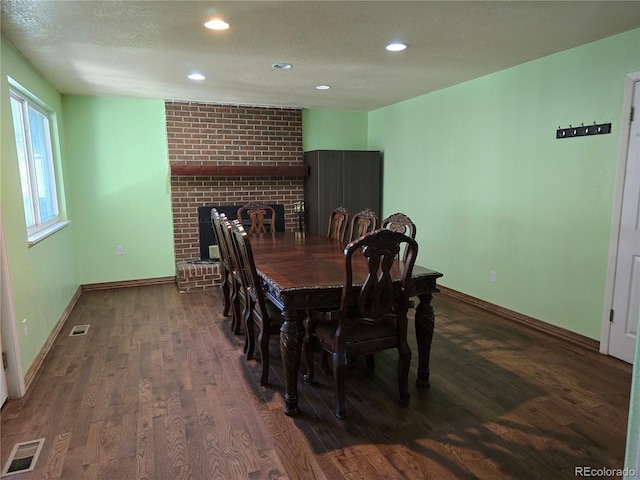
{"x": 147, "y": 48}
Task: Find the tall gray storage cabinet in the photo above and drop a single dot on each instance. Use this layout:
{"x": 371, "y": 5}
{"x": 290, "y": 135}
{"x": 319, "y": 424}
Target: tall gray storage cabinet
{"x": 348, "y": 178}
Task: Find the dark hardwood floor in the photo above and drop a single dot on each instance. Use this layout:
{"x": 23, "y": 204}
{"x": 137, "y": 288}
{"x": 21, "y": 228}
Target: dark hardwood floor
{"x": 159, "y": 389}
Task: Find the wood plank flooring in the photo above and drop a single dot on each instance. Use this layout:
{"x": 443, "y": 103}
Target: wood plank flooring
{"x": 159, "y": 389}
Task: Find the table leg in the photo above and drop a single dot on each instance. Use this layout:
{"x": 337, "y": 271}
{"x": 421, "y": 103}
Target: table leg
{"x": 290, "y": 348}
{"x": 425, "y": 322}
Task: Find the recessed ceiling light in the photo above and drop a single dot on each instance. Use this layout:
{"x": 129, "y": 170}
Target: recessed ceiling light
{"x": 323, "y": 87}
{"x": 396, "y": 47}
{"x": 196, "y": 76}
{"x": 282, "y": 66}
{"x": 216, "y": 24}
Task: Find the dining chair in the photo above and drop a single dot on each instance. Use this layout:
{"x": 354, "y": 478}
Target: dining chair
{"x": 363, "y": 222}
{"x": 399, "y": 222}
{"x": 225, "y": 264}
{"x": 239, "y": 298}
{"x": 338, "y": 223}
{"x": 257, "y": 213}
{"x": 263, "y": 314}
{"x": 371, "y": 317}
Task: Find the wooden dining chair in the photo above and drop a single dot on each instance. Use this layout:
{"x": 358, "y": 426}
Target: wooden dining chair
{"x": 371, "y": 317}
{"x": 257, "y": 214}
{"x": 399, "y": 222}
{"x": 263, "y": 314}
{"x": 338, "y": 223}
{"x": 227, "y": 270}
{"x": 363, "y": 222}
{"x": 239, "y": 298}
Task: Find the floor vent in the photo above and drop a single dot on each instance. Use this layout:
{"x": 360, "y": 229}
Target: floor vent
{"x": 79, "y": 330}
{"x": 23, "y": 458}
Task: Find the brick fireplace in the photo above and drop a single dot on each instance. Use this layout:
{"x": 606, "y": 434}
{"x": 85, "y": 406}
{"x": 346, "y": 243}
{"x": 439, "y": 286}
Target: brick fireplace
{"x": 228, "y": 155}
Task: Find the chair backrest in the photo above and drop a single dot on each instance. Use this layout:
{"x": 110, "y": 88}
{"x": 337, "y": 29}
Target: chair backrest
{"x": 399, "y": 222}
{"x": 245, "y": 255}
{"x": 227, "y": 238}
{"x": 363, "y": 222}
{"x": 379, "y": 298}
{"x": 240, "y": 273}
{"x": 257, "y": 213}
{"x": 216, "y": 222}
{"x": 338, "y": 223}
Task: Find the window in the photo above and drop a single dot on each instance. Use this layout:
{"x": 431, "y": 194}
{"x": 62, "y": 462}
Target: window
{"x": 31, "y": 123}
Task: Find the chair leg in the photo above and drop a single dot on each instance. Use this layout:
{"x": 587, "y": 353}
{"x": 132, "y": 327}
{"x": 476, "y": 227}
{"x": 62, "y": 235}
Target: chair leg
{"x": 404, "y": 362}
{"x": 225, "y": 295}
{"x": 250, "y": 336}
{"x": 339, "y": 363}
{"x": 307, "y": 347}
{"x": 351, "y": 362}
{"x": 249, "y": 341}
{"x": 245, "y": 347}
{"x": 371, "y": 361}
{"x": 324, "y": 362}
{"x": 263, "y": 339}
{"x": 236, "y": 317}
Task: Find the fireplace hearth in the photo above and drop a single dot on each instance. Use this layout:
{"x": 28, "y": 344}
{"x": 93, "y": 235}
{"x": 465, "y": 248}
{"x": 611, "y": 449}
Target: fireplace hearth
{"x": 204, "y": 272}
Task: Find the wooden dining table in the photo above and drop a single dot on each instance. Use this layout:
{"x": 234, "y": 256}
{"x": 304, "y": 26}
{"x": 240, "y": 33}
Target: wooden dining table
{"x": 302, "y": 270}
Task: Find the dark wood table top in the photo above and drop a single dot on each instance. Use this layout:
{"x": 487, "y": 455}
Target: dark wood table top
{"x": 304, "y": 269}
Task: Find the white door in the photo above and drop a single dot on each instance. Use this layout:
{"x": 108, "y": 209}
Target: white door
{"x": 626, "y": 293}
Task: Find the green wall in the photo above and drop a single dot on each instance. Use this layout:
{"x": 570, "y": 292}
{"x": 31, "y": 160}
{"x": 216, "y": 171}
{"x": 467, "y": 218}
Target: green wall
{"x": 115, "y": 177}
{"x": 334, "y": 130}
{"x": 43, "y": 277}
{"x": 119, "y": 169}
{"x": 478, "y": 169}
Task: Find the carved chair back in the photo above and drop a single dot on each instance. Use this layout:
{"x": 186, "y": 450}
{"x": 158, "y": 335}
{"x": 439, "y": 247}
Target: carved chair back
{"x": 372, "y": 316}
{"x": 225, "y": 261}
{"x": 257, "y": 213}
{"x": 216, "y": 222}
{"x": 239, "y": 297}
{"x": 379, "y": 298}
{"x": 362, "y": 223}
{"x": 338, "y": 223}
{"x": 399, "y": 222}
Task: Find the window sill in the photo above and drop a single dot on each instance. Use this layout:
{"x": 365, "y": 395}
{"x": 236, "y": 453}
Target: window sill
{"x": 42, "y": 234}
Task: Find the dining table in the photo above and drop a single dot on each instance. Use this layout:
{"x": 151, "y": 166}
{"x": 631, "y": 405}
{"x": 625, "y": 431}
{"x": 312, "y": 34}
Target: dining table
{"x": 303, "y": 270}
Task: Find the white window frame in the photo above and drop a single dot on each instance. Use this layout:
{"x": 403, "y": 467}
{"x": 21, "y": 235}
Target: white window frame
{"x": 39, "y": 229}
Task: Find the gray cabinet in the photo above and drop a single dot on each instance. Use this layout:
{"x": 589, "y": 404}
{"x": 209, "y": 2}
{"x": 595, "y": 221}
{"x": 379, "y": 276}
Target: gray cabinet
{"x": 348, "y": 178}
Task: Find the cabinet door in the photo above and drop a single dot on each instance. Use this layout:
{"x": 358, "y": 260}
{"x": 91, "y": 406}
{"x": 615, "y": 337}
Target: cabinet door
{"x": 362, "y": 181}
{"x": 323, "y": 187}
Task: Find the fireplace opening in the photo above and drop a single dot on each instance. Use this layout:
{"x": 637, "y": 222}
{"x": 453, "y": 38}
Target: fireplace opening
{"x": 205, "y": 229}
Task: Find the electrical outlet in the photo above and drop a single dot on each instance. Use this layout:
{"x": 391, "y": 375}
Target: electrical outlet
{"x": 24, "y": 327}
{"x": 492, "y": 277}
{"x": 120, "y": 250}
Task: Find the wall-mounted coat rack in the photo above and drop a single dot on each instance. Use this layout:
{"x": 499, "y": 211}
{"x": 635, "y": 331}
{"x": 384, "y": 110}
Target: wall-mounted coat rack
{"x": 582, "y": 130}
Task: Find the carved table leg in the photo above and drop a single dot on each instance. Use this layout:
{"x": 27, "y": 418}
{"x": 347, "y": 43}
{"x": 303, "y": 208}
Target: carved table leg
{"x": 425, "y": 322}
{"x": 291, "y": 347}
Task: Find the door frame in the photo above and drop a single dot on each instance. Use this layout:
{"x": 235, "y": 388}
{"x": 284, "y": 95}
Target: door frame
{"x": 614, "y": 239}
{"x": 15, "y": 378}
